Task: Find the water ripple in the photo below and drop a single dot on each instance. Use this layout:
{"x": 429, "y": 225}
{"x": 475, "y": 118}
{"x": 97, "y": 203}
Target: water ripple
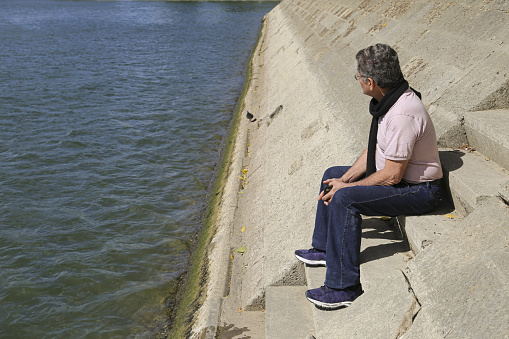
{"x": 112, "y": 116}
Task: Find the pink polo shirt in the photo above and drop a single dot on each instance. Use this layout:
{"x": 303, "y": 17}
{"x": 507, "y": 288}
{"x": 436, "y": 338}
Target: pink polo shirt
{"x": 406, "y": 132}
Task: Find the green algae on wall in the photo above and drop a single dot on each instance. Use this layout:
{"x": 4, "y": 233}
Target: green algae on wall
{"x": 193, "y": 285}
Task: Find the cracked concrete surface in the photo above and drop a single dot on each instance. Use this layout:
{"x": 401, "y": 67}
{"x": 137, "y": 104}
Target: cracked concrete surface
{"x": 456, "y": 55}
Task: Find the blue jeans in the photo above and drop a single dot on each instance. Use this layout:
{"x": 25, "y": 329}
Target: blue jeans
{"x": 338, "y": 226}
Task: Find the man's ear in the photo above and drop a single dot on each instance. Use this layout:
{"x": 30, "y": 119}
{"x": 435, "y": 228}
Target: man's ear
{"x": 371, "y": 83}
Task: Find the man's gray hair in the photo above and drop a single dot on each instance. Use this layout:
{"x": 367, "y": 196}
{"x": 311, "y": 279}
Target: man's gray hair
{"x": 380, "y": 63}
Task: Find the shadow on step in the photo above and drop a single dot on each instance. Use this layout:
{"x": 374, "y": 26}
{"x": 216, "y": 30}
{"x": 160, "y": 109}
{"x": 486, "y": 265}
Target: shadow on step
{"x": 386, "y": 238}
{"x": 451, "y": 161}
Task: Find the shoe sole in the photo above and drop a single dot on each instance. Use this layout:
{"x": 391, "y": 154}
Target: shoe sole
{"x": 330, "y": 306}
{"x": 311, "y": 262}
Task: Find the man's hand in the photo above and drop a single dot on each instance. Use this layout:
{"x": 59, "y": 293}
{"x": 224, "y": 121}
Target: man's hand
{"x": 336, "y": 185}
{"x": 390, "y": 175}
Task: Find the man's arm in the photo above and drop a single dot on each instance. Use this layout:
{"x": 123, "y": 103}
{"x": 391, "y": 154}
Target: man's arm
{"x": 390, "y": 175}
{"x": 357, "y": 170}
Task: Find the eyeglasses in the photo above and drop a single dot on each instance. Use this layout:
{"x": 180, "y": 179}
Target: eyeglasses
{"x": 356, "y": 77}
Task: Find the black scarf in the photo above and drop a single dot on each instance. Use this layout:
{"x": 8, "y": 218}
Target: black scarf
{"x": 377, "y": 110}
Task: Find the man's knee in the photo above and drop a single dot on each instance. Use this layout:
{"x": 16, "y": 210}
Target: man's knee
{"x": 327, "y": 174}
{"x": 335, "y": 172}
{"x": 343, "y": 197}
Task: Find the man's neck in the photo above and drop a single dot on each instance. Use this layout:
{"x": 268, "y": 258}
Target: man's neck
{"x": 379, "y": 92}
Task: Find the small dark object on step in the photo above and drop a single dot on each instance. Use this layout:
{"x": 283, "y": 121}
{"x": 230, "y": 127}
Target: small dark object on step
{"x": 276, "y": 111}
{"x": 250, "y": 117}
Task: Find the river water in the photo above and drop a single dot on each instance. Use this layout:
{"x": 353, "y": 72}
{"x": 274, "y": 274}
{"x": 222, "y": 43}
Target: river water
{"x": 111, "y": 117}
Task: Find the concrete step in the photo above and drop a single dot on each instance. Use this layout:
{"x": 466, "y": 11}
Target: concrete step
{"x": 386, "y": 298}
{"x": 471, "y": 178}
{"x": 421, "y": 231}
{"x": 315, "y": 276}
{"x": 488, "y": 133}
{"x": 467, "y": 271}
{"x": 386, "y": 293}
{"x": 288, "y": 313}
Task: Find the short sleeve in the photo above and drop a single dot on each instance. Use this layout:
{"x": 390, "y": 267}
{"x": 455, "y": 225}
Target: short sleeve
{"x": 401, "y": 135}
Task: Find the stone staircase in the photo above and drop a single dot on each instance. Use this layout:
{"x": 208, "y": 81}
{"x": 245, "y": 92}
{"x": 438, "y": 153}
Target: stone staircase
{"x": 429, "y": 276}
{"x": 476, "y": 179}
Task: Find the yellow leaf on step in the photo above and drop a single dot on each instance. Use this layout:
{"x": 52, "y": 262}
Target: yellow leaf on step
{"x": 241, "y": 249}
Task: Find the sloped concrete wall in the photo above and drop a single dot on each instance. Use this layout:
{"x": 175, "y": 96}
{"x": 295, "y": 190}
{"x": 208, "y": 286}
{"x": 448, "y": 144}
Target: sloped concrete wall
{"x": 287, "y": 155}
{"x": 454, "y": 52}
{"x": 311, "y": 114}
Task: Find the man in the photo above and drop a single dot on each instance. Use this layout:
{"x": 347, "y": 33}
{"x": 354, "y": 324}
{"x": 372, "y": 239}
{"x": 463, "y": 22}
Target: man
{"x": 398, "y": 174}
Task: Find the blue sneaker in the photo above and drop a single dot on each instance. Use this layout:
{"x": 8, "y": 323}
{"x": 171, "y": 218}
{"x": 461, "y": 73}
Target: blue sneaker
{"x": 330, "y": 298}
{"x": 311, "y": 257}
